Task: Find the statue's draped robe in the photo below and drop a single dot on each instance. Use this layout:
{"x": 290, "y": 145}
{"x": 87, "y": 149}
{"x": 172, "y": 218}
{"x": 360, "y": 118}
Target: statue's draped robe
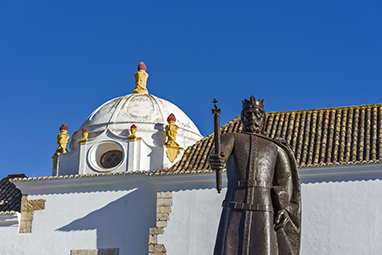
{"x": 260, "y": 183}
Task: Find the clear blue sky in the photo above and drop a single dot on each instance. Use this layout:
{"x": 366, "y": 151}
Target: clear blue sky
{"x": 60, "y": 60}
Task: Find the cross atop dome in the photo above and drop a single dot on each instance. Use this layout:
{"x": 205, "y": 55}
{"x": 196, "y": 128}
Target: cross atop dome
{"x": 141, "y": 79}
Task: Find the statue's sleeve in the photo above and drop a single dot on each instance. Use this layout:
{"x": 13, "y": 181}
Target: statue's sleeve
{"x": 282, "y": 182}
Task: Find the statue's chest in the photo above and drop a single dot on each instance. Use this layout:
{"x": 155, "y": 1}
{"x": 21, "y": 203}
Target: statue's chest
{"x": 262, "y": 160}
{"x": 256, "y": 159}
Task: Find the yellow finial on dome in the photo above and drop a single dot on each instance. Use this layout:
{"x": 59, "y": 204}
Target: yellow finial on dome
{"x": 85, "y": 134}
{"x": 133, "y": 131}
{"x": 141, "y": 79}
{"x": 62, "y": 141}
{"x": 171, "y": 144}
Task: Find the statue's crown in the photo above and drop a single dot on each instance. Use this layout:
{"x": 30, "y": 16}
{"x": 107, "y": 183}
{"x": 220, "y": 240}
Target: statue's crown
{"x": 253, "y": 102}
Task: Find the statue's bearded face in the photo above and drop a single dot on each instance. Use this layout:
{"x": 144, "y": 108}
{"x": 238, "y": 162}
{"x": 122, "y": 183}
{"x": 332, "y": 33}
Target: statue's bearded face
{"x": 253, "y": 119}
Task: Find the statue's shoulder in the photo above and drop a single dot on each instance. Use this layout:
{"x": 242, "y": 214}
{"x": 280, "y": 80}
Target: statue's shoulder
{"x": 277, "y": 141}
{"x": 282, "y": 141}
{"x": 236, "y": 136}
{"x": 246, "y": 137}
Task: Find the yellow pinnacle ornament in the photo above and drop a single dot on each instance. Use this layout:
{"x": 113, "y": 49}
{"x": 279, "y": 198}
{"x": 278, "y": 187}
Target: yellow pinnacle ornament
{"x": 141, "y": 79}
{"x": 85, "y": 134}
{"x": 62, "y": 141}
{"x": 171, "y": 144}
{"x": 133, "y": 131}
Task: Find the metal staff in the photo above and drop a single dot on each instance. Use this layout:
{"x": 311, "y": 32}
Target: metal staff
{"x": 216, "y": 112}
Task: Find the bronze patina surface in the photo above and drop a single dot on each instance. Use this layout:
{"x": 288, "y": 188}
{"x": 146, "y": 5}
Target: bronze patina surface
{"x": 218, "y": 171}
{"x": 262, "y": 209}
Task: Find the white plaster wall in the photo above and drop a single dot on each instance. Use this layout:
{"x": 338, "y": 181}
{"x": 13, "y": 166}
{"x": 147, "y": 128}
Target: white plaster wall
{"x": 67, "y": 163}
{"x": 342, "y": 217}
{"x": 337, "y": 218}
{"x": 193, "y": 223}
{"x": 78, "y": 217}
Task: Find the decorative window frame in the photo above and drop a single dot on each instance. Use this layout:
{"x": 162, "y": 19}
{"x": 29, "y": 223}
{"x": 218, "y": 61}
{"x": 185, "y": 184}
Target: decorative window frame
{"x": 98, "y": 150}
{"x": 111, "y": 151}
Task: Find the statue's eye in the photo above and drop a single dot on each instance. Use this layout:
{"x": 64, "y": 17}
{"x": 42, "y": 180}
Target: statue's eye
{"x": 258, "y": 113}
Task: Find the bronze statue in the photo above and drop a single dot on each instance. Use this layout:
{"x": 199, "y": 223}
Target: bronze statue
{"x": 262, "y": 208}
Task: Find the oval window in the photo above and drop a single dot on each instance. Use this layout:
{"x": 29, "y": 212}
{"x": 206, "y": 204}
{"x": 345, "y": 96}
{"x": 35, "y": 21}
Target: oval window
{"x": 111, "y": 158}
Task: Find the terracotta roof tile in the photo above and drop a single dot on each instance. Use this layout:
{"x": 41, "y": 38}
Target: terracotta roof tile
{"x": 374, "y": 136}
{"x": 318, "y": 137}
{"x": 317, "y": 146}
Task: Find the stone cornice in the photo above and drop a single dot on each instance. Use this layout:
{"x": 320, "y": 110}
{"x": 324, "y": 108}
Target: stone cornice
{"x": 80, "y": 183}
{"x": 9, "y": 218}
{"x": 341, "y": 173}
{"x": 196, "y": 180}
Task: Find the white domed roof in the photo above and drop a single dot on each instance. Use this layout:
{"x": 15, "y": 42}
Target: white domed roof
{"x": 148, "y": 112}
{"x": 136, "y": 109}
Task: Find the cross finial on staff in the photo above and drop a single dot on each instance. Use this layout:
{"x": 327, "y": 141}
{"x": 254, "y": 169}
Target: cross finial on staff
{"x": 216, "y": 109}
